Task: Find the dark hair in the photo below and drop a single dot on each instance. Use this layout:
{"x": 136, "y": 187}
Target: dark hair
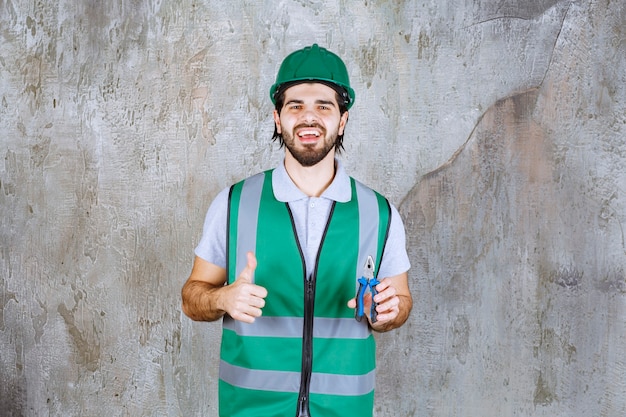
{"x": 340, "y": 96}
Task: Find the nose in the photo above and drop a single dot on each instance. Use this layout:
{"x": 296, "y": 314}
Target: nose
{"x": 310, "y": 116}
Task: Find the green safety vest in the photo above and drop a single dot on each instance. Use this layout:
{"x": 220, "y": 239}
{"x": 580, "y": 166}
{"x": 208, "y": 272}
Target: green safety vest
{"x": 306, "y": 355}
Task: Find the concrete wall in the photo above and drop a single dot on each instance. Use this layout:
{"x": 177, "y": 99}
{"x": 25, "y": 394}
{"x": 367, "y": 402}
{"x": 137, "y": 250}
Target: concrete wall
{"x": 498, "y": 128}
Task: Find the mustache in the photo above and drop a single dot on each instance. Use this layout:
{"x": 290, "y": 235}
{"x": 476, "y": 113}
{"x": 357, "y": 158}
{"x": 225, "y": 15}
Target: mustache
{"x": 309, "y": 125}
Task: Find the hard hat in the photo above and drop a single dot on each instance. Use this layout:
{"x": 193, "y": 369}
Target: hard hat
{"x": 317, "y": 65}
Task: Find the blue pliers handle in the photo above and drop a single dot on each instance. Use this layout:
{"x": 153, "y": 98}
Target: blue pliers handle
{"x": 367, "y": 281}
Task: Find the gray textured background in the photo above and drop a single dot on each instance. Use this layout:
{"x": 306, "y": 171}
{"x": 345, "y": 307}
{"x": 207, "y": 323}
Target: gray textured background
{"x": 497, "y": 127}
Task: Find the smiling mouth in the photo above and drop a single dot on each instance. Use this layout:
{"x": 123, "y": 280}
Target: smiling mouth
{"x": 308, "y": 132}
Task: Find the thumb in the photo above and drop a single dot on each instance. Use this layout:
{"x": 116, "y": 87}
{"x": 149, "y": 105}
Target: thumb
{"x": 248, "y": 271}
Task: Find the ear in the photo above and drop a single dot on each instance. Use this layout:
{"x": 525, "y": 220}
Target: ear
{"x": 342, "y": 123}
{"x": 277, "y": 122}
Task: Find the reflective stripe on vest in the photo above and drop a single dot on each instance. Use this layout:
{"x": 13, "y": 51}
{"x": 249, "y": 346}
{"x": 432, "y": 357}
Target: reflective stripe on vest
{"x": 267, "y": 354}
{"x": 281, "y": 381}
{"x": 292, "y": 327}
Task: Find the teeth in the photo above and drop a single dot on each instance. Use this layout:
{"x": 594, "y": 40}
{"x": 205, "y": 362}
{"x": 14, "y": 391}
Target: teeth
{"x": 308, "y": 132}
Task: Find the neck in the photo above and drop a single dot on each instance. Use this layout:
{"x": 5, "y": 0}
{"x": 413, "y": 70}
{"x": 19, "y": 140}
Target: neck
{"x": 314, "y": 180}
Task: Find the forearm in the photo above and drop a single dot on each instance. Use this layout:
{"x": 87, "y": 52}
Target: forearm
{"x": 200, "y": 301}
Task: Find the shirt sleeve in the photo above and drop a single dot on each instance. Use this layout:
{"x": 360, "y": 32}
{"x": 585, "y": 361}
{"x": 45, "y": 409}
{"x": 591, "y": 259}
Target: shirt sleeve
{"x": 212, "y": 245}
{"x": 395, "y": 258}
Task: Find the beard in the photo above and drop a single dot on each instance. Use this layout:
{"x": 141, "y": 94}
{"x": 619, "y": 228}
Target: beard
{"x": 309, "y": 155}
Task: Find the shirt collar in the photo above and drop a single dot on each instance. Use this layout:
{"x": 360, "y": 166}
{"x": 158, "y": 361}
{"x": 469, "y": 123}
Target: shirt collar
{"x": 286, "y": 191}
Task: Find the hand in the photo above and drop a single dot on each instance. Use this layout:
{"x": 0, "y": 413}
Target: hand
{"x": 388, "y": 304}
{"x": 243, "y": 300}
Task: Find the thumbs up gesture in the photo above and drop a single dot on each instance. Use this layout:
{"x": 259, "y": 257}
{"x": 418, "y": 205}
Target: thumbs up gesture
{"x": 243, "y": 300}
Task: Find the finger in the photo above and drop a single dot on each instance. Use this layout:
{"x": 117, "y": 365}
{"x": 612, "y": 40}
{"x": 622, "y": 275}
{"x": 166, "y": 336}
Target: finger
{"x": 389, "y": 307}
{"x": 248, "y": 271}
{"x": 246, "y": 312}
{"x": 388, "y": 310}
{"x": 352, "y": 303}
{"x": 383, "y": 285}
{"x": 257, "y": 301}
{"x": 256, "y": 291}
{"x": 253, "y": 311}
{"x": 383, "y": 318}
{"x": 251, "y": 260}
{"x": 385, "y": 294}
{"x": 243, "y": 317}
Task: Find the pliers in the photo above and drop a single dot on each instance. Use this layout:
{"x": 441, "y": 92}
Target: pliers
{"x": 367, "y": 280}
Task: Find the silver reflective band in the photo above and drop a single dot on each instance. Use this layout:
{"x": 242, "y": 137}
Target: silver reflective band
{"x": 352, "y": 385}
{"x": 325, "y": 328}
{"x": 278, "y": 381}
{"x": 248, "y": 219}
{"x": 282, "y": 381}
{"x": 368, "y": 232}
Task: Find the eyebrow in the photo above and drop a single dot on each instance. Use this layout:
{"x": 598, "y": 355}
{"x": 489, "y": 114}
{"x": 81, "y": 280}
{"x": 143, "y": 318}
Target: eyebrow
{"x": 319, "y": 101}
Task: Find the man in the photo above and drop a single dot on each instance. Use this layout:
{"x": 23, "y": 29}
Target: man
{"x": 281, "y": 255}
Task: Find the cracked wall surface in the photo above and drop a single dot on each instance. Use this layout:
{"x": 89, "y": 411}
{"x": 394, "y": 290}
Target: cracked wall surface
{"x": 496, "y": 127}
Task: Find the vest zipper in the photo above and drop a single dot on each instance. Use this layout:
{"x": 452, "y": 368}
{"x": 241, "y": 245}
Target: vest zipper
{"x": 307, "y": 348}
{"x": 307, "y": 330}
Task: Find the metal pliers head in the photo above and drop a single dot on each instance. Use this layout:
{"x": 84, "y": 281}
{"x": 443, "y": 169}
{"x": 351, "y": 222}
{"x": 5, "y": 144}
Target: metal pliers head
{"x": 367, "y": 281}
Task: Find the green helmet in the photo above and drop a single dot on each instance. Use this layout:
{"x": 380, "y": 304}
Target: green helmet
{"x": 314, "y": 64}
